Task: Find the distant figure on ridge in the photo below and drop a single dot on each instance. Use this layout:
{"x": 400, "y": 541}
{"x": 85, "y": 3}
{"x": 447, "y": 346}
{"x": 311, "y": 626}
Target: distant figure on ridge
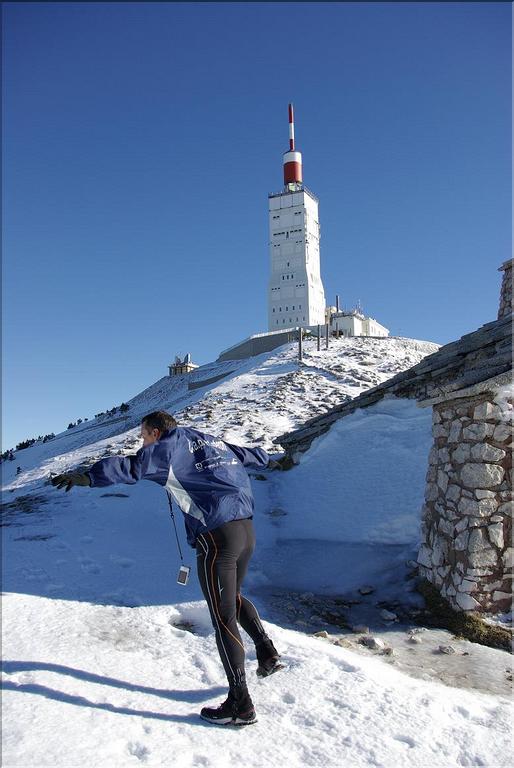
{"x": 205, "y": 476}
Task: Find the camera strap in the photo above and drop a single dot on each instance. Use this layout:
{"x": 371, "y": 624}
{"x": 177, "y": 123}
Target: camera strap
{"x": 175, "y": 527}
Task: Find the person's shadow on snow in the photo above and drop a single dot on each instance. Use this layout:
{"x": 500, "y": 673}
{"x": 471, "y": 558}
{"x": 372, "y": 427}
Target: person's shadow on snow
{"x": 193, "y": 696}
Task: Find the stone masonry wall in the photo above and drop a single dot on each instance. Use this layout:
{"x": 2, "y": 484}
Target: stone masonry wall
{"x": 466, "y": 547}
{"x": 506, "y": 290}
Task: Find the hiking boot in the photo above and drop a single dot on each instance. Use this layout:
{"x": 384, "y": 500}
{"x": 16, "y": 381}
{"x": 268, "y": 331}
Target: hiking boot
{"x": 268, "y": 658}
{"x": 232, "y": 712}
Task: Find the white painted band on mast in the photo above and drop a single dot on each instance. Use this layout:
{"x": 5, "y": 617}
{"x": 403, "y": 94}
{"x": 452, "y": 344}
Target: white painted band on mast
{"x": 292, "y": 157}
{"x": 291, "y": 128}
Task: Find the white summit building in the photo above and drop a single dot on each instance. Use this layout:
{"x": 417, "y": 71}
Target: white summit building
{"x": 295, "y": 296}
{"x": 296, "y": 299}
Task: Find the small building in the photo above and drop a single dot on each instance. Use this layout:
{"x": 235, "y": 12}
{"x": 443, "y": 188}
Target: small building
{"x": 354, "y": 323}
{"x": 181, "y": 367}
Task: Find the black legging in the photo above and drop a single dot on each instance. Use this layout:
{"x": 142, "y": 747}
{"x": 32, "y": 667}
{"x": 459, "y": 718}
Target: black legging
{"x": 222, "y": 559}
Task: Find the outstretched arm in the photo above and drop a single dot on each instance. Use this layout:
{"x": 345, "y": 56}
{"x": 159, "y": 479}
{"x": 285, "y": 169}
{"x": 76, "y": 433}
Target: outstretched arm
{"x": 117, "y": 469}
{"x": 250, "y": 457}
{"x": 108, "y": 471}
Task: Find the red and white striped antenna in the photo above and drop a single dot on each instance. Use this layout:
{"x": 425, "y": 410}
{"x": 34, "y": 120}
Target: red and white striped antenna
{"x": 291, "y": 128}
{"x": 292, "y": 159}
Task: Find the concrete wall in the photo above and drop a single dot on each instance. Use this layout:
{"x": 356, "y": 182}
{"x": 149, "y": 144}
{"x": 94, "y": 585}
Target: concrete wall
{"x": 255, "y": 345}
{"x": 295, "y": 293}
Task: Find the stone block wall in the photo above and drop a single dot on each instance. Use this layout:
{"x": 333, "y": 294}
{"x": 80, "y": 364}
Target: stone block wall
{"x": 506, "y": 290}
{"x": 466, "y": 549}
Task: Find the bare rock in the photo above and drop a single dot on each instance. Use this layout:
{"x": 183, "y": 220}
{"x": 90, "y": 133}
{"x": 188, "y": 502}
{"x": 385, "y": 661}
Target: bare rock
{"x": 388, "y": 615}
{"x": 481, "y": 475}
{"x": 374, "y": 643}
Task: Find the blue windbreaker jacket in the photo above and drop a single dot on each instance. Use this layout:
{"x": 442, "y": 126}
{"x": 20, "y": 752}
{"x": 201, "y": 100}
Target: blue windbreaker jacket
{"x": 203, "y": 474}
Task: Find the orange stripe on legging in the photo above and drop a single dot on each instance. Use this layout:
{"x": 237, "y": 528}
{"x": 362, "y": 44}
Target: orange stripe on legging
{"x": 214, "y": 593}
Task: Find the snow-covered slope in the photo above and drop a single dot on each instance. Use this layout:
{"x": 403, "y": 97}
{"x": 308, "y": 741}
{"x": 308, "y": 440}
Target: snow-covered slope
{"x": 107, "y": 660}
{"x": 253, "y": 400}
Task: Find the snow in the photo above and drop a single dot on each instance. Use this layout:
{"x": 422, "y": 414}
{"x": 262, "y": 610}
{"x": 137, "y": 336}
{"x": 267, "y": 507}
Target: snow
{"x": 107, "y": 660}
{"x": 358, "y": 471}
{"x": 112, "y": 686}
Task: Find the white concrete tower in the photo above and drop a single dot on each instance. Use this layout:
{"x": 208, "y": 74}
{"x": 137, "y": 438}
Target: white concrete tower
{"x": 296, "y": 296}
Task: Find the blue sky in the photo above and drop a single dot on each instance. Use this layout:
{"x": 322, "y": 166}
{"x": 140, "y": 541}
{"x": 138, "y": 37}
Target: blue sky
{"x": 140, "y": 142}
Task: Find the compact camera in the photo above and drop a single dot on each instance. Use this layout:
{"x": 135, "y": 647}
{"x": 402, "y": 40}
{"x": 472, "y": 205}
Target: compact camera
{"x": 183, "y": 575}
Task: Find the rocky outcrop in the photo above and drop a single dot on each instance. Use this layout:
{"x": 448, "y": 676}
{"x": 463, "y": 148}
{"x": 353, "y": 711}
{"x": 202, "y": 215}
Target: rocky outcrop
{"x": 505, "y": 308}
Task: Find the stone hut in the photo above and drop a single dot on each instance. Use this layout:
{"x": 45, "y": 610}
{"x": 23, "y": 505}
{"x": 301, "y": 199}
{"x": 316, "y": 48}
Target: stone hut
{"x": 466, "y": 549}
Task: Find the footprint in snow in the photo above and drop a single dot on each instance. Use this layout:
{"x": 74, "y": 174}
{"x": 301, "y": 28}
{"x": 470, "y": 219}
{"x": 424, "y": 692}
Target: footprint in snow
{"x": 34, "y": 574}
{"x": 86, "y": 540}
{"x": 288, "y": 698}
{"x": 405, "y": 740}
{"x": 60, "y": 545}
{"x": 89, "y": 566}
{"x": 138, "y": 750}
{"x": 123, "y": 562}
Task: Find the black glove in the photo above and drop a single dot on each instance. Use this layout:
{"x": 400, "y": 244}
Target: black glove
{"x": 70, "y": 479}
{"x": 278, "y": 463}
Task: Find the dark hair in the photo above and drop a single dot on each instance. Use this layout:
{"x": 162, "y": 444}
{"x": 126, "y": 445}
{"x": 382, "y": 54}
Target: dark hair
{"x": 159, "y": 420}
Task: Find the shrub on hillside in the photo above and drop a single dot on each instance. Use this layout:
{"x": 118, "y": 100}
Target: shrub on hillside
{"x": 25, "y": 444}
